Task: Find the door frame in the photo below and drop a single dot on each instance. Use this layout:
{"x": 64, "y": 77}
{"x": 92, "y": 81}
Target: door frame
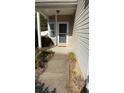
{"x": 67, "y": 23}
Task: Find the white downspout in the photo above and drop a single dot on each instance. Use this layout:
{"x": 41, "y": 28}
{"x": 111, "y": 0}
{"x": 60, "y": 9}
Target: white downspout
{"x": 48, "y": 25}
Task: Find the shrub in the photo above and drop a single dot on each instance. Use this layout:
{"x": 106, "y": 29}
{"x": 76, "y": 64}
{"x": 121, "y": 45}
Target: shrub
{"x": 41, "y": 55}
{"x": 46, "y": 41}
{"x": 71, "y": 56}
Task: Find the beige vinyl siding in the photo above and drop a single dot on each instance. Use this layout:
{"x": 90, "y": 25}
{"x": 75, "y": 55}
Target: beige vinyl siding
{"x": 81, "y": 36}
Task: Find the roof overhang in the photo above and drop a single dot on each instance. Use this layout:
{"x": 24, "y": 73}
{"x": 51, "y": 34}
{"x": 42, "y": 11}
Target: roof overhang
{"x": 49, "y": 7}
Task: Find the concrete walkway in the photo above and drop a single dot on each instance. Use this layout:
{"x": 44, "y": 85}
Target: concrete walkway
{"x": 57, "y": 73}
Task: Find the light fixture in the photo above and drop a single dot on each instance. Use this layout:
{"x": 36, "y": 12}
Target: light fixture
{"x": 57, "y": 11}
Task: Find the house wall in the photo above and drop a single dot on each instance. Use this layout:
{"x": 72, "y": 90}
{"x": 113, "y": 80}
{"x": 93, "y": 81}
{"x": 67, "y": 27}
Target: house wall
{"x": 70, "y": 20}
{"x": 81, "y": 35}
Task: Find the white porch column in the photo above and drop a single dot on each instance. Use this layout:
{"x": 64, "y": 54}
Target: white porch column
{"x": 48, "y": 25}
{"x": 39, "y": 30}
{"x": 56, "y": 30}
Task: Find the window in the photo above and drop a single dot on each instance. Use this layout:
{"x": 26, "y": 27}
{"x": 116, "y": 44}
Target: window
{"x": 52, "y": 29}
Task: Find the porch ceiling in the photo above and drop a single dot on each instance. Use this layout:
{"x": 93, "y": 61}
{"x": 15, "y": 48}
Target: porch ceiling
{"x": 49, "y": 8}
{"x": 55, "y": 0}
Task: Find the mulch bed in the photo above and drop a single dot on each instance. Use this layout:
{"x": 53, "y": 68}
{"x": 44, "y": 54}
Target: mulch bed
{"x": 38, "y": 71}
{"x": 76, "y": 81}
{"x": 42, "y": 65}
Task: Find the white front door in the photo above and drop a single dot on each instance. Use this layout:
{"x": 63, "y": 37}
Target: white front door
{"x": 62, "y": 35}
